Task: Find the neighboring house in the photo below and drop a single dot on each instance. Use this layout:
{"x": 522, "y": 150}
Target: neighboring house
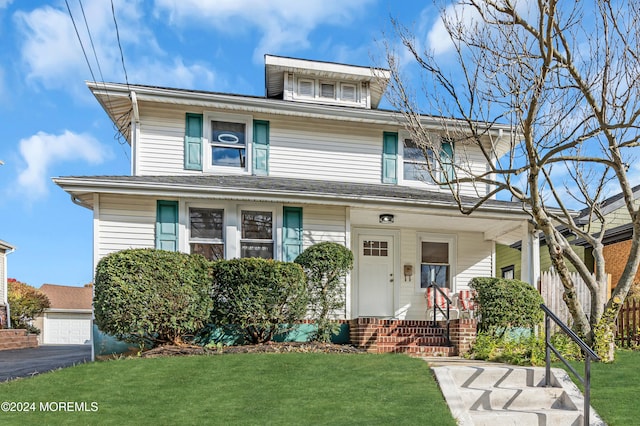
{"x": 617, "y": 236}
{"x": 508, "y": 263}
{"x": 313, "y": 160}
{"x": 5, "y": 249}
{"x": 68, "y": 319}
{"x": 617, "y": 241}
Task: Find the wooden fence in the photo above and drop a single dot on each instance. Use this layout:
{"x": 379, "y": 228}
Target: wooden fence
{"x": 551, "y": 290}
{"x": 627, "y": 333}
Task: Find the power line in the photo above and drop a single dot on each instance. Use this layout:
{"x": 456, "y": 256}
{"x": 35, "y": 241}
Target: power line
{"x": 80, "y": 40}
{"x": 113, "y": 12}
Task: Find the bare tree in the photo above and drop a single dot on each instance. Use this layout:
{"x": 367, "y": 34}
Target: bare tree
{"x": 564, "y": 77}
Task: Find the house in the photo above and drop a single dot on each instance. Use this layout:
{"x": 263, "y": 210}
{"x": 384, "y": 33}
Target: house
{"x": 617, "y": 236}
{"x": 314, "y": 159}
{"x": 5, "y": 249}
{"x": 68, "y": 319}
{"x": 617, "y": 242}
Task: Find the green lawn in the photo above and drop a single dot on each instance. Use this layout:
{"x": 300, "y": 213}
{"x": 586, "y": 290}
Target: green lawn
{"x": 615, "y": 388}
{"x": 242, "y": 389}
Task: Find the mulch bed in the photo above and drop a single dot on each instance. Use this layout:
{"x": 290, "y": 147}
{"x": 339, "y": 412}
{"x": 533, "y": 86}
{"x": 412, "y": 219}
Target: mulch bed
{"x": 271, "y": 347}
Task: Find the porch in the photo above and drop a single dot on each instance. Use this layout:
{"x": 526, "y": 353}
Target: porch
{"x": 414, "y": 337}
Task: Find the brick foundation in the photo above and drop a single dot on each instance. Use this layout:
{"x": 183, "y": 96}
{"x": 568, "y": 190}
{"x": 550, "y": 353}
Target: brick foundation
{"x": 412, "y": 336}
{"x": 17, "y": 339}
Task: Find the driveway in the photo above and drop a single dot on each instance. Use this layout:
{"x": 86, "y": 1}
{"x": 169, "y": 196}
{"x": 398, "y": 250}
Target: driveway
{"x": 28, "y": 362}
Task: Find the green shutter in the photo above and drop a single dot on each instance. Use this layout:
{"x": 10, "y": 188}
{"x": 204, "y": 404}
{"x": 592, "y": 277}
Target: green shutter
{"x": 167, "y": 225}
{"x": 193, "y": 142}
{"x": 446, "y": 159}
{"x": 291, "y": 233}
{"x": 389, "y": 157}
{"x": 260, "y": 147}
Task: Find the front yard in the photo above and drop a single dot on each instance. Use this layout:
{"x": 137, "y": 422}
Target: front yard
{"x": 246, "y": 389}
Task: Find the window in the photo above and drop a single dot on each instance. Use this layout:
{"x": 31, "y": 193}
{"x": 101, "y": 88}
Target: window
{"x": 257, "y": 234}
{"x": 205, "y": 232}
{"x": 228, "y": 144}
{"x": 415, "y": 165}
{"x": 508, "y": 272}
{"x": 375, "y": 248}
{"x": 305, "y": 88}
{"x": 348, "y": 92}
{"x": 434, "y": 265}
{"x": 328, "y": 90}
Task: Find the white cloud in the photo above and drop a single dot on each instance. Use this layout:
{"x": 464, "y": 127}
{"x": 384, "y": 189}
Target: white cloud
{"x": 284, "y": 24}
{"x": 54, "y": 58}
{"x": 5, "y": 3}
{"x": 42, "y": 150}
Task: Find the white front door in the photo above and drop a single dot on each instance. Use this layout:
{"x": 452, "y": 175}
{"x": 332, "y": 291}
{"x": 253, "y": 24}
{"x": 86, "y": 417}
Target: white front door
{"x": 375, "y": 276}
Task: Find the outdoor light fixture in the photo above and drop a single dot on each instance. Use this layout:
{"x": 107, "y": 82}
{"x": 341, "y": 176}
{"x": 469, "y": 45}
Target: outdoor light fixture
{"x": 386, "y": 218}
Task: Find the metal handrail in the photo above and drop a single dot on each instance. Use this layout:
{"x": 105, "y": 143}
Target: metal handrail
{"x": 589, "y": 354}
{"x": 437, "y": 306}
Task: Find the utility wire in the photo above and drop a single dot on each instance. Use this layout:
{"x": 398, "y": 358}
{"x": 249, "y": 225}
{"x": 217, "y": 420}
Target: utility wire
{"x": 113, "y": 12}
{"x": 80, "y": 40}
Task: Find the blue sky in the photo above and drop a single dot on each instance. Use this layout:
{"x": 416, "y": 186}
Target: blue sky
{"x": 52, "y": 126}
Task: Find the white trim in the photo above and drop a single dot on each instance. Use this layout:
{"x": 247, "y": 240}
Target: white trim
{"x": 452, "y": 240}
{"x": 186, "y": 244}
{"x": 276, "y": 224}
{"x": 245, "y": 119}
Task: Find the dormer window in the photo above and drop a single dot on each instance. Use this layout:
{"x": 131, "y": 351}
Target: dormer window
{"x": 348, "y": 92}
{"x": 305, "y": 88}
{"x": 328, "y": 90}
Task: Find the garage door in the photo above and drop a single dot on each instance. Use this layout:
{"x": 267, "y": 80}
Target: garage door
{"x": 67, "y": 329}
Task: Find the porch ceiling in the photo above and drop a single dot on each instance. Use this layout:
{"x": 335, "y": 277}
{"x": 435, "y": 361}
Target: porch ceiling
{"x": 500, "y": 229}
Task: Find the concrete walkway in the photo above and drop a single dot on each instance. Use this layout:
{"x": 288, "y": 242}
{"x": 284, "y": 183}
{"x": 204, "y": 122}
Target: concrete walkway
{"x": 28, "y": 362}
{"x": 493, "y": 394}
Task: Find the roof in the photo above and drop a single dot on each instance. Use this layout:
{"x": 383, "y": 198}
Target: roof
{"x": 276, "y": 66}
{"x": 611, "y": 236}
{"x": 6, "y": 246}
{"x": 269, "y": 188}
{"x": 68, "y": 297}
{"x": 608, "y": 205}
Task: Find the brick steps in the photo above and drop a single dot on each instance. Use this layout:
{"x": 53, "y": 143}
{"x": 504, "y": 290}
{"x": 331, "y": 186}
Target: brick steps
{"x": 414, "y": 337}
{"x": 17, "y": 339}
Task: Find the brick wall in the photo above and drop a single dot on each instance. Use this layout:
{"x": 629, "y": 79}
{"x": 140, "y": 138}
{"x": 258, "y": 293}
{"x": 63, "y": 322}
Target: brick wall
{"x": 615, "y": 257}
{"x": 17, "y": 339}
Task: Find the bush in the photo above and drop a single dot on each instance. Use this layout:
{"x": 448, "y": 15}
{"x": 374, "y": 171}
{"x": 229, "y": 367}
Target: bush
{"x": 326, "y": 266}
{"x": 25, "y": 303}
{"x": 146, "y": 296}
{"x": 262, "y": 297}
{"x": 504, "y": 304}
{"x": 525, "y": 349}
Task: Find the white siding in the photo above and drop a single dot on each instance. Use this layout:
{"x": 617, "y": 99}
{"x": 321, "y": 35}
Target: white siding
{"x": 325, "y": 150}
{"x": 473, "y": 258}
{"x": 323, "y": 224}
{"x": 125, "y": 222}
{"x": 161, "y": 143}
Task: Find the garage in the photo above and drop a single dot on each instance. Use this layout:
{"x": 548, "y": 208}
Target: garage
{"x": 67, "y": 320}
{"x": 66, "y": 328}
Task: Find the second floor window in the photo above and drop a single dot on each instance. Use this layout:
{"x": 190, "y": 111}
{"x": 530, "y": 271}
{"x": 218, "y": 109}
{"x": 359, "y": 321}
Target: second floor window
{"x": 228, "y": 144}
{"x": 416, "y": 162}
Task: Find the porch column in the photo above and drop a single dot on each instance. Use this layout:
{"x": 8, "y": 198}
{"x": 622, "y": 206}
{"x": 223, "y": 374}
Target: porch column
{"x": 530, "y": 256}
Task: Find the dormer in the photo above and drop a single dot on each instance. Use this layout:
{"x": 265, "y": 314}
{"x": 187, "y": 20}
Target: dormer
{"x": 327, "y": 83}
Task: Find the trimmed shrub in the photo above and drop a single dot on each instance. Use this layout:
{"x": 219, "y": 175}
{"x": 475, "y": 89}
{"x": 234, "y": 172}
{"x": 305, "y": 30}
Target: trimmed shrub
{"x": 262, "y": 297}
{"x": 505, "y": 304}
{"x": 326, "y": 266}
{"x": 149, "y": 297}
{"x": 26, "y": 303}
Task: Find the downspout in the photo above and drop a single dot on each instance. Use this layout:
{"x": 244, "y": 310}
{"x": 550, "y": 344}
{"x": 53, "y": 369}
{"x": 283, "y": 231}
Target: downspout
{"x": 6, "y": 289}
{"x": 135, "y": 121}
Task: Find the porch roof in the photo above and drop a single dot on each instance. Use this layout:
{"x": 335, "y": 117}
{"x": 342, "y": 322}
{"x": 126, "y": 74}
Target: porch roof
{"x": 278, "y": 189}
